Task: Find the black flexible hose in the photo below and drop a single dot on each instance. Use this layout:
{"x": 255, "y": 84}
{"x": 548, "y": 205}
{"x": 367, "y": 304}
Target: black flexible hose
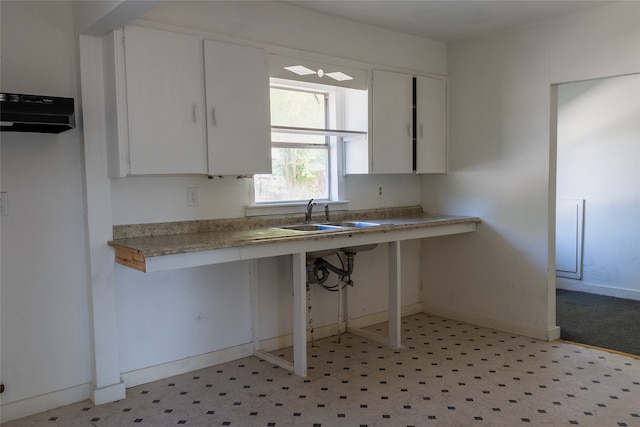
{"x": 321, "y": 263}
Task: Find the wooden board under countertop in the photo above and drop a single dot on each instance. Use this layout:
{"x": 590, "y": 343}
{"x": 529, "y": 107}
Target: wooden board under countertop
{"x": 130, "y": 258}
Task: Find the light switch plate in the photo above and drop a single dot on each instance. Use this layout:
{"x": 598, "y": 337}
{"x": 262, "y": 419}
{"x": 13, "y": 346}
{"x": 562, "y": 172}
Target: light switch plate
{"x": 4, "y": 203}
{"x": 192, "y": 197}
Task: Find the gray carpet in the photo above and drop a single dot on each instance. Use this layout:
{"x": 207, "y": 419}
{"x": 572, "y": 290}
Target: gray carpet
{"x": 597, "y": 320}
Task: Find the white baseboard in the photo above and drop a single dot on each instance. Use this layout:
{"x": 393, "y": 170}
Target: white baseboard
{"x": 283, "y": 341}
{"x": 500, "y": 325}
{"x": 383, "y": 316}
{"x": 580, "y": 286}
{"x": 44, "y": 402}
{"x": 182, "y": 366}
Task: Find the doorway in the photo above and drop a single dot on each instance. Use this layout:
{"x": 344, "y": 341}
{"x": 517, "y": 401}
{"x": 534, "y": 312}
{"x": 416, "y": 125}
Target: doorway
{"x": 598, "y": 199}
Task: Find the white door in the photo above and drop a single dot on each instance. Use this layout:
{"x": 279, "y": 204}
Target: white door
{"x": 431, "y": 126}
{"x": 392, "y": 122}
{"x": 238, "y": 118}
{"x": 165, "y": 102}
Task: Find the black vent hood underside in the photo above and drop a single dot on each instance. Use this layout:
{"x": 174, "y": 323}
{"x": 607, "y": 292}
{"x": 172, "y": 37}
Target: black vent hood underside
{"x": 35, "y": 113}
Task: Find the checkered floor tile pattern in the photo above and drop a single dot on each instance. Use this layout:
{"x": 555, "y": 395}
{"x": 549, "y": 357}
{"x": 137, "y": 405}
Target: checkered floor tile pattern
{"x": 447, "y": 374}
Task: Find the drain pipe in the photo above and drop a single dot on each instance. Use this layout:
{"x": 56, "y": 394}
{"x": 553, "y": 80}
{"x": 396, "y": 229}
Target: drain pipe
{"x": 318, "y": 271}
{"x": 322, "y": 266}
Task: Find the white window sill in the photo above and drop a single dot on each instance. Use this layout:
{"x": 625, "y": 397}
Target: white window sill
{"x": 292, "y": 208}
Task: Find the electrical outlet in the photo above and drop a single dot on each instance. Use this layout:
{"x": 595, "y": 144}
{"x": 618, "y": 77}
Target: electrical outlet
{"x": 192, "y": 196}
{"x": 4, "y": 204}
{"x": 380, "y": 192}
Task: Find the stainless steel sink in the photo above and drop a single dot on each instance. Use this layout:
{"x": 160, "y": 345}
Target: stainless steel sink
{"x": 321, "y": 254}
{"x": 348, "y": 250}
{"x": 312, "y": 227}
{"x": 333, "y": 226}
{"x": 359, "y": 248}
{"x": 329, "y": 226}
{"x": 353, "y": 224}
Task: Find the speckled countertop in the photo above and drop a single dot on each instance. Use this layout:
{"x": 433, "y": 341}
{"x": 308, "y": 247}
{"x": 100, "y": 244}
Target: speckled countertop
{"x": 157, "y": 239}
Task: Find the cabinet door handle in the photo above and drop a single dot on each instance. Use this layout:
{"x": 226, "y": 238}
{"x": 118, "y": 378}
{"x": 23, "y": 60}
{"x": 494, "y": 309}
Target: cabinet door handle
{"x": 213, "y": 117}
{"x": 409, "y": 129}
{"x": 194, "y": 111}
{"x": 421, "y": 131}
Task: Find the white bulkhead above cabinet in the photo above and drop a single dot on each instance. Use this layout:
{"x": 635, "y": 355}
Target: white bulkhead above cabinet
{"x": 174, "y": 107}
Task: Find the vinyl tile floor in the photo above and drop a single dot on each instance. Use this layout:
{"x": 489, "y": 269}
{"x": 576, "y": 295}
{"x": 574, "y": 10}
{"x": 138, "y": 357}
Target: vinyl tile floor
{"x": 448, "y": 373}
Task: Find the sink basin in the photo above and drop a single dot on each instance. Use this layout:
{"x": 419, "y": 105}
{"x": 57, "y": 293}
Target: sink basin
{"x": 359, "y": 248}
{"x": 348, "y": 250}
{"x": 329, "y": 226}
{"x": 321, "y": 254}
{"x": 333, "y": 226}
{"x": 353, "y": 224}
{"x": 312, "y": 227}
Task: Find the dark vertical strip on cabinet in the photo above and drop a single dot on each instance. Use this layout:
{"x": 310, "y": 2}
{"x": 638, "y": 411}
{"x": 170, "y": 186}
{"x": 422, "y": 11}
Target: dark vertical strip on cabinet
{"x": 415, "y": 126}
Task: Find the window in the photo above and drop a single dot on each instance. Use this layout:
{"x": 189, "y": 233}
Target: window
{"x": 319, "y": 111}
{"x": 301, "y": 164}
{"x": 300, "y": 149}
{"x": 308, "y": 122}
{"x": 301, "y": 161}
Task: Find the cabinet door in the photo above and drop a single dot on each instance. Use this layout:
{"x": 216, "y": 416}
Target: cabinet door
{"x": 165, "y": 102}
{"x": 238, "y": 118}
{"x": 392, "y": 122}
{"x": 431, "y": 125}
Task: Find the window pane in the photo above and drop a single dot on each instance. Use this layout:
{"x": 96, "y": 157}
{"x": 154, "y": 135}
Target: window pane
{"x": 298, "y": 174}
{"x": 297, "y": 109}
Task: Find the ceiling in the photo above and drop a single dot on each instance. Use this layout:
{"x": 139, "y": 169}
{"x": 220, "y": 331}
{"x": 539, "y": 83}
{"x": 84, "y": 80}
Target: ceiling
{"x": 446, "y": 20}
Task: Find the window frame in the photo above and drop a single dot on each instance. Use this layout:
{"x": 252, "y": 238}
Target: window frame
{"x": 334, "y": 101}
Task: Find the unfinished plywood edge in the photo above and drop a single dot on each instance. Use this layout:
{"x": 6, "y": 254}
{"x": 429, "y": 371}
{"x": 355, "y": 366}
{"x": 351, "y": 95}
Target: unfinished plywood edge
{"x": 131, "y": 258}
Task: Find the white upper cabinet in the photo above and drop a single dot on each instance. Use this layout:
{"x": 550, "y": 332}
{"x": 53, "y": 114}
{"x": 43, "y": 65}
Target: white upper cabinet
{"x": 165, "y": 102}
{"x": 394, "y": 126}
{"x": 238, "y": 118}
{"x": 173, "y": 107}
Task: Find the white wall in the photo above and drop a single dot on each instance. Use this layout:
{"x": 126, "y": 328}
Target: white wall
{"x": 138, "y": 200}
{"x": 292, "y": 27}
{"x": 598, "y": 153}
{"x": 500, "y": 156}
{"x": 44, "y": 313}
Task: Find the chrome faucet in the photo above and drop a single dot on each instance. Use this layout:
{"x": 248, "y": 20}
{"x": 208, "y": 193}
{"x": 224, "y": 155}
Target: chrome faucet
{"x": 309, "y": 211}
{"x": 326, "y": 212}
